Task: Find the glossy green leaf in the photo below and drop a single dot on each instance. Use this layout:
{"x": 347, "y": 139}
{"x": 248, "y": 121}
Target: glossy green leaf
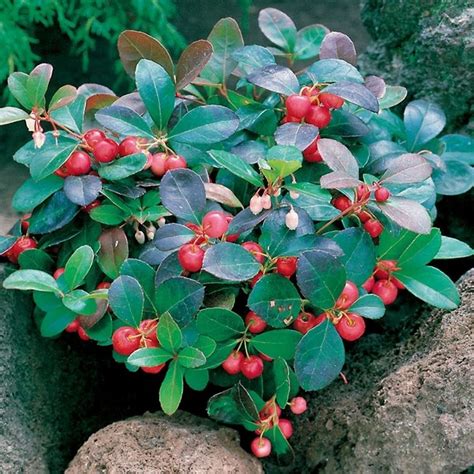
{"x": 275, "y": 78}
{"x": 82, "y": 190}
{"x": 126, "y": 299}
{"x": 32, "y": 193}
{"x": 123, "y": 167}
{"x": 275, "y": 299}
{"x": 180, "y": 297}
{"x": 321, "y": 277}
{"x": 145, "y": 275}
{"x": 281, "y": 373}
{"x": 49, "y": 159}
{"x": 319, "y": 357}
{"x": 230, "y": 262}
{"x": 123, "y": 121}
{"x": 308, "y": 41}
{"x": 31, "y": 280}
{"x": 56, "y": 320}
{"x": 453, "y": 248}
{"x": 171, "y": 389}
{"x": 220, "y": 324}
{"x": 333, "y": 70}
{"x": 36, "y": 259}
{"x": 72, "y": 114}
{"x": 278, "y": 343}
{"x": 431, "y": 286}
{"x": 12, "y": 115}
{"x": 369, "y": 306}
{"x": 197, "y": 379}
{"x": 17, "y": 84}
{"x": 236, "y": 165}
{"x": 157, "y": 91}
{"x": 78, "y": 266}
{"x": 278, "y": 28}
{"x": 191, "y": 357}
{"x": 80, "y": 302}
{"x": 149, "y": 357}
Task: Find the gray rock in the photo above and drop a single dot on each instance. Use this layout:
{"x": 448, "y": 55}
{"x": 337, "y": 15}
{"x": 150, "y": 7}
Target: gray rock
{"x": 54, "y": 393}
{"x": 426, "y": 46}
{"x": 407, "y": 407}
{"x": 156, "y": 443}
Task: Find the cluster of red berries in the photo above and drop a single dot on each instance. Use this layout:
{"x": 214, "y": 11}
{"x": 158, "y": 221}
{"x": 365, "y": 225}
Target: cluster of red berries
{"x": 127, "y": 339}
{"x": 269, "y": 416}
{"x": 105, "y": 150}
{"x": 21, "y": 245}
{"x": 382, "y": 283}
{"x": 363, "y": 192}
{"x": 350, "y": 326}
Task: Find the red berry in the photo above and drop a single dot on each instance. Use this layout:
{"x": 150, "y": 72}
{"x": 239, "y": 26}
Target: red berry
{"x": 310, "y": 92}
{"x": 153, "y": 370}
{"x": 175, "y": 162}
{"x": 148, "y": 328}
{"x": 342, "y": 203}
{"x": 61, "y": 172}
{"x": 94, "y": 136}
{"x": 382, "y": 194}
{"x": 351, "y": 326}
{"x": 286, "y": 427}
{"x": 286, "y": 266}
{"x": 255, "y": 323}
{"x": 386, "y": 291}
{"x": 105, "y": 151}
{"x": 373, "y": 227}
{"x": 25, "y": 223}
{"x": 261, "y": 447}
{"x": 77, "y": 164}
{"x": 397, "y": 283}
{"x": 304, "y": 322}
{"x": 190, "y": 257}
{"x": 255, "y": 249}
{"x": 318, "y": 116}
{"x": 384, "y": 269}
{"x": 330, "y": 100}
{"x": 270, "y": 409}
{"x": 81, "y": 332}
{"x": 364, "y": 216}
{"x": 251, "y": 367}
{"x": 312, "y": 147}
{"x": 369, "y": 284}
{"x": 232, "y": 364}
{"x": 73, "y": 327}
{"x": 58, "y": 273}
{"x": 298, "y": 405}
{"x": 126, "y": 340}
{"x": 255, "y": 279}
{"x": 348, "y": 296}
{"x": 158, "y": 164}
{"x": 215, "y": 224}
{"x": 290, "y": 118}
{"x": 20, "y": 246}
{"x": 313, "y": 157}
{"x": 128, "y": 146}
{"x": 297, "y": 105}
{"x": 105, "y": 285}
{"x": 91, "y": 206}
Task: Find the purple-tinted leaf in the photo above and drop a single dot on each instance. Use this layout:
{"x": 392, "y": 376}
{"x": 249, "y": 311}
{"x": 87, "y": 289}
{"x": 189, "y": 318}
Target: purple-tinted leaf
{"x": 355, "y": 93}
{"x": 192, "y": 62}
{"x": 278, "y": 28}
{"x": 221, "y": 194}
{"x": 113, "y": 251}
{"x": 252, "y": 57}
{"x": 172, "y": 236}
{"x": 347, "y": 125}
{"x": 340, "y": 46}
{"x": 376, "y": 85}
{"x": 132, "y": 101}
{"x": 338, "y": 157}
{"x": 300, "y": 135}
{"x": 82, "y": 190}
{"x": 338, "y": 180}
{"x": 135, "y": 45}
{"x": 92, "y": 89}
{"x": 91, "y": 319}
{"x": 99, "y": 101}
{"x": 63, "y": 96}
{"x": 225, "y": 38}
{"x": 407, "y": 214}
{"x": 408, "y": 168}
{"x": 276, "y": 79}
{"x": 308, "y": 41}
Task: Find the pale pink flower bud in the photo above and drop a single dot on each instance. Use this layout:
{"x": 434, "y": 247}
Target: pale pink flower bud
{"x": 140, "y": 237}
{"x": 161, "y": 222}
{"x": 277, "y": 192}
{"x": 266, "y": 201}
{"x": 30, "y": 124}
{"x": 256, "y": 204}
{"x": 291, "y": 219}
{"x": 294, "y": 195}
{"x": 150, "y": 234}
{"x": 39, "y": 139}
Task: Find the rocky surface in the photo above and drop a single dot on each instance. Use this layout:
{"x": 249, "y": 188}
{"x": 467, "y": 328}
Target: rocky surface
{"x": 156, "y": 443}
{"x": 408, "y": 406}
{"x": 426, "y": 46}
{"x": 55, "y": 393}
